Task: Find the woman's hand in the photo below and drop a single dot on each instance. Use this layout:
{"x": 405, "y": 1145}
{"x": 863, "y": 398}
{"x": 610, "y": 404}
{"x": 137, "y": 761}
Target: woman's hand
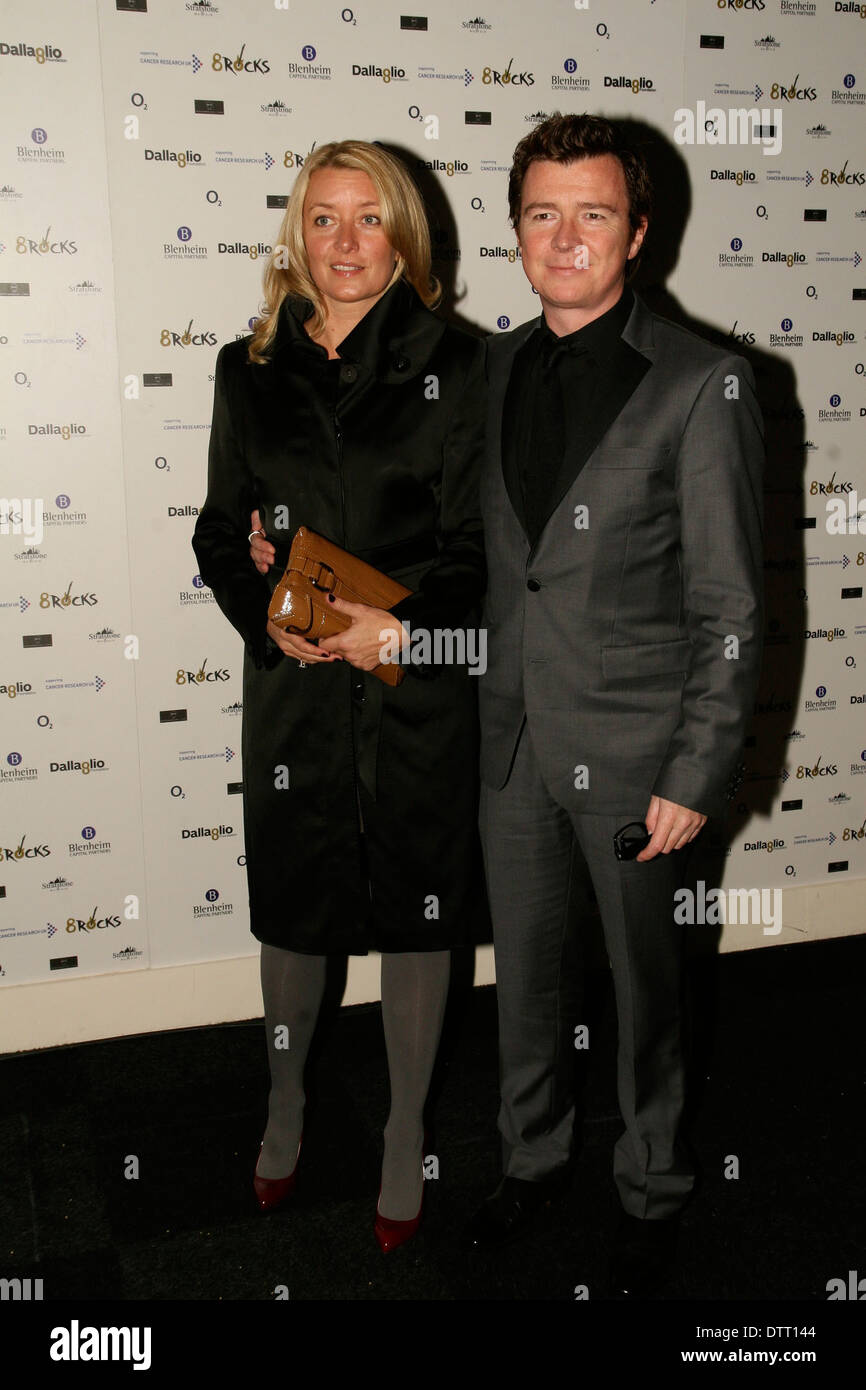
{"x": 262, "y": 553}
{"x": 290, "y": 644}
{"x": 371, "y": 630}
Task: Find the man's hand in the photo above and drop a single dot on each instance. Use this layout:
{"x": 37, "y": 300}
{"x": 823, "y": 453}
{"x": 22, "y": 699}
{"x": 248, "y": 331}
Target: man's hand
{"x": 371, "y": 629}
{"x": 671, "y": 826}
{"x": 262, "y": 553}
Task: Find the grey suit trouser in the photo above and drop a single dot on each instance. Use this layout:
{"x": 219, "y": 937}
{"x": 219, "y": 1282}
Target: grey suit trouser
{"x": 535, "y": 851}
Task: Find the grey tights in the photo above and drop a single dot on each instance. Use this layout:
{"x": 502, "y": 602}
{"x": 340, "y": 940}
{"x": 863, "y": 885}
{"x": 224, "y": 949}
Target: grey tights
{"x": 414, "y": 993}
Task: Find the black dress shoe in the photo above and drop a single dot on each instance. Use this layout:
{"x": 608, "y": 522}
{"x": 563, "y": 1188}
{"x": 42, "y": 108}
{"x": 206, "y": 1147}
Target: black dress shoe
{"x": 510, "y": 1212}
{"x": 643, "y": 1257}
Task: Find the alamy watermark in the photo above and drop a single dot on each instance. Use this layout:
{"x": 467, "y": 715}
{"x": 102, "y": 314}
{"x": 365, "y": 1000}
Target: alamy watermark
{"x": 443, "y": 646}
{"x": 732, "y": 906}
{"x": 739, "y": 125}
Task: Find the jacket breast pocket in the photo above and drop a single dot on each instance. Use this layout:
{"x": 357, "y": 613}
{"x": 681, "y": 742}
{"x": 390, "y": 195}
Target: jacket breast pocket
{"x": 643, "y": 456}
{"x": 646, "y": 659}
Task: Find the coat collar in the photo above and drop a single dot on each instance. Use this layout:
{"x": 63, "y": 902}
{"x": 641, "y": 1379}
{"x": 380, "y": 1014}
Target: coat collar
{"x": 394, "y": 340}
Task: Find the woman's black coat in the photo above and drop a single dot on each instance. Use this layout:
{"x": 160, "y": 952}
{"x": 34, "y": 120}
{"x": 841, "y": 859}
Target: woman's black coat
{"x": 380, "y": 452}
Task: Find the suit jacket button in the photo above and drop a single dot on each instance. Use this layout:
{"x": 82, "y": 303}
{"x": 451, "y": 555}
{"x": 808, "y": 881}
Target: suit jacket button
{"x": 348, "y": 373}
{"x": 533, "y": 586}
{"x": 401, "y": 364}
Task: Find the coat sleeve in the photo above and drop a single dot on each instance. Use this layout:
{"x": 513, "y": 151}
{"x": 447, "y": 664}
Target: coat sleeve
{"x": 220, "y": 537}
{"x": 719, "y": 490}
{"x": 454, "y": 586}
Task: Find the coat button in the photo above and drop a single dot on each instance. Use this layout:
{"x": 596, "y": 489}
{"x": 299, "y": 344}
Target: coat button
{"x": 533, "y": 586}
{"x": 358, "y": 692}
{"x": 401, "y": 364}
{"x": 348, "y": 374}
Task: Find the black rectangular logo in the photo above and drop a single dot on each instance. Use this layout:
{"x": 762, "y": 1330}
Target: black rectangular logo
{"x": 852, "y": 593}
{"x": 15, "y": 289}
{"x": 63, "y": 963}
{"x": 478, "y": 118}
{"x": 814, "y": 214}
{"x": 840, "y": 866}
{"x": 277, "y": 200}
{"x": 156, "y": 379}
{"x": 712, "y": 40}
{"x": 204, "y": 107}
{"x": 413, "y": 21}
{"x": 805, "y": 523}
{"x": 234, "y": 788}
{"x": 37, "y": 639}
{"x": 764, "y": 132}
{"x": 172, "y": 716}
{"x": 135, "y": 6}
{"x": 859, "y": 292}
{"x": 792, "y": 805}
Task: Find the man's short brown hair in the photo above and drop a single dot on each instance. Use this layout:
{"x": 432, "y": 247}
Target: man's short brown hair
{"x": 564, "y": 139}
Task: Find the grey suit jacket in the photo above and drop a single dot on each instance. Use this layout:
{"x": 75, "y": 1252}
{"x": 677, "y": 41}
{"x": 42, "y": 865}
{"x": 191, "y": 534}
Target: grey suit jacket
{"x": 630, "y": 636}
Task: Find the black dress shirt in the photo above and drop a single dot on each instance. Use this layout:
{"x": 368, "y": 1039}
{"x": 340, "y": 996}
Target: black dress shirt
{"x": 553, "y": 385}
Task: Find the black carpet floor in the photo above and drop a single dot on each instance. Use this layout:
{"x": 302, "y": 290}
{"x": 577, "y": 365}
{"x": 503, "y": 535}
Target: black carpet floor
{"x": 778, "y": 1086}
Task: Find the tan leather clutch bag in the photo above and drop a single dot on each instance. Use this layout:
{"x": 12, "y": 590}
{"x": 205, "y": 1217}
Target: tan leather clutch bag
{"x": 317, "y": 568}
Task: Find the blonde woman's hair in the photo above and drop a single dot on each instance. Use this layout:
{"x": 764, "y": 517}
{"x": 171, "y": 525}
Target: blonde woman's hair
{"x": 404, "y": 223}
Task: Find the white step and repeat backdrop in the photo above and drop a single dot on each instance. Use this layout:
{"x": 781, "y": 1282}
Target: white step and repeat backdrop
{"x": 148, "y": 148}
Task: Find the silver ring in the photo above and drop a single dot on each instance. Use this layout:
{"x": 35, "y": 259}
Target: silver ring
{"x": 260, "y": 532}
{"x": 302, "y": 665}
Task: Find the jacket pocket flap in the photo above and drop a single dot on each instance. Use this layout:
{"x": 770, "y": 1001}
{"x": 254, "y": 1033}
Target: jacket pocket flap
{"x": 646, "y": 659}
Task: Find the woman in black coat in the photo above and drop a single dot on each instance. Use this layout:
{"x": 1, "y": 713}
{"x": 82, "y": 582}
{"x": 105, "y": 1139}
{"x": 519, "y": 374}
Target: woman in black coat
{"x": 354, "y": 411}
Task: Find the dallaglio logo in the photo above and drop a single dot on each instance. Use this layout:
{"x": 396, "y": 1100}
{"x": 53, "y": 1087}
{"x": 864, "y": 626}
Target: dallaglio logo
{"x": 635, "y": 85}
{"x": 180, "y": 158}
{"x": 41, "y": 52}
{"x": 85, "y": 766}
{"x": 207, "y": 832}
{"x": 389, "y": 72}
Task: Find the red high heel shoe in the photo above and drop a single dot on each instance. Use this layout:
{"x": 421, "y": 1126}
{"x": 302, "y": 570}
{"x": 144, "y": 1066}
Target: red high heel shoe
{"x": 391, "y": 1234}
{"x": 271, "y": 1192}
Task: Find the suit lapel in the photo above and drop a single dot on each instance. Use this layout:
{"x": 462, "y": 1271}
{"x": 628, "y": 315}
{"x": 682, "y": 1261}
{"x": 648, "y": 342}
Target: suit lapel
{"x": 625, "y": 371}
{"x": 502, "y": 413}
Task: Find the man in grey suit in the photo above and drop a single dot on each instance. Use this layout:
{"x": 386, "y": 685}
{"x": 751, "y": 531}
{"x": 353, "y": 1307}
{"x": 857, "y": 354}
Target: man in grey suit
{"x": 622, "y": 512}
